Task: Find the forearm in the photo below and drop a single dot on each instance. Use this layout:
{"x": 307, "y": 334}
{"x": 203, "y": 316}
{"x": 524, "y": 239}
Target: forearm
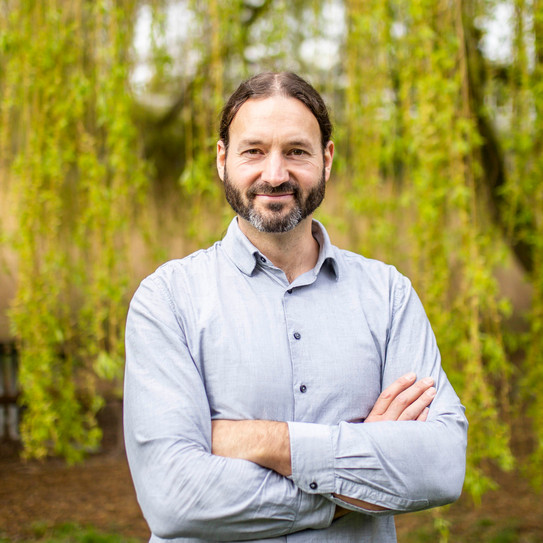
{"x": 400, "y": 466}
{"x": 267, "y": 444}
{"x": 263, "y": 442}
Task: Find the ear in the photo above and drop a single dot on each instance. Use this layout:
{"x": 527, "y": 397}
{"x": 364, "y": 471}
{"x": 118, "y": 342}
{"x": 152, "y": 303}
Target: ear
{"x": 221, "y": 158}
{"x": 328, "y": 159}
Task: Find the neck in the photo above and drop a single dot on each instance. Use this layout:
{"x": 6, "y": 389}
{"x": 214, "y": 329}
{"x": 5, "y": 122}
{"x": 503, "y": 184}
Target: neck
{"x": 295, "y": 252}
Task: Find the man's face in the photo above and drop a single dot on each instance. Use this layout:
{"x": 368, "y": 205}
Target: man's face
{"x": 275, "y": 170}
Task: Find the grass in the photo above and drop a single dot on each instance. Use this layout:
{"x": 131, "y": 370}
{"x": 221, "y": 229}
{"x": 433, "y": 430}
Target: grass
{"x": 484, "y": 531}
{"x": 42, "y": 532}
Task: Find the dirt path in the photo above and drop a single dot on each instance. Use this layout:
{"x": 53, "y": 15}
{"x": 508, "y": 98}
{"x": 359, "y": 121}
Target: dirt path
{"x": 100, "y": 493}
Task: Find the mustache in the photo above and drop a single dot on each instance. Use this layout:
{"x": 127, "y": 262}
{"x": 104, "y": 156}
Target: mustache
{"x": 264, "y": 188}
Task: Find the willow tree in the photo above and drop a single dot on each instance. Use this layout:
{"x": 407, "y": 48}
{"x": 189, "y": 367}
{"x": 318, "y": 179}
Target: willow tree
{"x": 438, "y": 171}
{"x": 424, "y": 164}
{"x": 72, "y": 172}
{"x": 520, "y": 195}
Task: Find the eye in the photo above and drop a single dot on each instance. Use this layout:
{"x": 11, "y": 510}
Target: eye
{"x": 252, "y": 152}
{"x": 298, "y": 152}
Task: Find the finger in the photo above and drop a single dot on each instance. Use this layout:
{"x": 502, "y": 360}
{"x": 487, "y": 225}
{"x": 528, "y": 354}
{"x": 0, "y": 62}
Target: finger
{"x": 391, "y": 392}
{"x": 415, "y": 409}
{"x": 424, "y": 415}
{"x": 407, "y": 398}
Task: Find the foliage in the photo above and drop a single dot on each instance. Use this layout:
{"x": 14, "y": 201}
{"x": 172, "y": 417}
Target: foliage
{"x": 523, "y": 191}
{"x": 74, "y": 178}
{"x": 422, "y": 149}
{"x": 438, "y": 171}
{"x": 484, "y": 533}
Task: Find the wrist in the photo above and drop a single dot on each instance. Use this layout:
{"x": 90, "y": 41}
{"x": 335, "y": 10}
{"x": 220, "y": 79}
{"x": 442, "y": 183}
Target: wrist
{"x": 272, "y": 446}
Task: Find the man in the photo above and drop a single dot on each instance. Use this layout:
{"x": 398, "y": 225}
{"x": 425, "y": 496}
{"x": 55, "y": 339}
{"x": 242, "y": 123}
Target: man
{"x": 271, "y": 390}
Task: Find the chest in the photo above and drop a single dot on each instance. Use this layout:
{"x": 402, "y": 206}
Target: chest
{"x": 313, "y": 354}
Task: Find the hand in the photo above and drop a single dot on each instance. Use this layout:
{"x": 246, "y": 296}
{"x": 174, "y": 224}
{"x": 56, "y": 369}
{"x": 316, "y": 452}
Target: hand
{"x": 264, "y": 442}
{"x": 404, "y": 399}
{"x": 341, "y": 511}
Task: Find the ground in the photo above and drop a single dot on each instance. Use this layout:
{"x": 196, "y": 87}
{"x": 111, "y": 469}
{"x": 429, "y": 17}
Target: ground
{"x": 97, "y": 493}
{"x": 100, "y": 493}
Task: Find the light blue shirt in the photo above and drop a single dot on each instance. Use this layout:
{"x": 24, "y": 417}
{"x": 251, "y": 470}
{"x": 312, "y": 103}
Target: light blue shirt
{"x": 221, "y": 334}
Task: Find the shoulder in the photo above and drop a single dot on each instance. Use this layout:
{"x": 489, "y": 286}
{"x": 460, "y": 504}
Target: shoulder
{"x": 169, "y": 293}
{"x": 184, "y": 274}
{"x": 379, "y": 283}
{"x": 193, "y": 264}
{"x": 375, "y": 272}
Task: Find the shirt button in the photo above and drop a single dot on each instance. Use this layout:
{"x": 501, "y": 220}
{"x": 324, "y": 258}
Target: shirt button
{"x": 297, "y": 335}
{"x": 303, "y": 389}
{"x": 262, "y": 259}
{"x": 313, "y": 486}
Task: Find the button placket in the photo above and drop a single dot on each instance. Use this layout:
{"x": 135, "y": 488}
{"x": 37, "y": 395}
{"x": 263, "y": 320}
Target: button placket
{"x": 302, "y": 388}
{"x": 293, "y": 307}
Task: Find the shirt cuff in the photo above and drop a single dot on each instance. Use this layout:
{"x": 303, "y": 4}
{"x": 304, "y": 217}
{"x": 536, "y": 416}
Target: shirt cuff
{"x": 312, "y": 457}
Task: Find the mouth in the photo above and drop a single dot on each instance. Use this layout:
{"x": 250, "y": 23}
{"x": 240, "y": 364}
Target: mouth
{"x": 266, "y": 193}
{"x": 275, "y": 197}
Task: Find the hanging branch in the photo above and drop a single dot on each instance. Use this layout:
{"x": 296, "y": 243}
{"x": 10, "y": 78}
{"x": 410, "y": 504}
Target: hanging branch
{"x": 254, "y": 13}
{"x": 77, "y": 178}
{"x": 492, "y": 155}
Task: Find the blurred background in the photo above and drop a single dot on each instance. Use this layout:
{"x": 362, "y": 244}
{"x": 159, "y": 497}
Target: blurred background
{"x": 108, "y": 124}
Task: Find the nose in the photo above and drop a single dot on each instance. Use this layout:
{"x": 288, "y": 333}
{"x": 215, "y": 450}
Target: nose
{"x": 275, "y": 169}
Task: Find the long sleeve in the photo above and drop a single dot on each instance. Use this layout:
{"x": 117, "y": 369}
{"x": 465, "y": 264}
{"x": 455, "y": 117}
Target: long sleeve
{"x": 402, "y": 466}
{"x": 184, "y": 490}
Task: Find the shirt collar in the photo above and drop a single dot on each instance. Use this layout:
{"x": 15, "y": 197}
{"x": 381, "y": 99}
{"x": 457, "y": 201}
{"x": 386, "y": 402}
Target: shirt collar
{"x": 327, "y": 252}
{"x": 242, "y": 252}
{"x": 245, "y": 255}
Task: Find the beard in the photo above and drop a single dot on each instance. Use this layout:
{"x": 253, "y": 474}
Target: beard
{"x": 276, "y": 218}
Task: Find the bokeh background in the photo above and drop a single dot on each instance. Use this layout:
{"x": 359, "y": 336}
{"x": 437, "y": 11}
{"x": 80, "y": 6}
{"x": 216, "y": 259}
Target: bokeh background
{"x": 108, "y": 120}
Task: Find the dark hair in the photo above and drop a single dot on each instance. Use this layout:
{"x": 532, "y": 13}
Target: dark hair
{"x": 269, "y": 84}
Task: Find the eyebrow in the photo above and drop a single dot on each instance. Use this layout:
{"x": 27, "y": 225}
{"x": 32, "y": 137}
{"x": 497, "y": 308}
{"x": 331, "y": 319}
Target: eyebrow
{"x": 291, "y": 143}
{"x": 300, "y": 143}
{"x": 249, "y": 142}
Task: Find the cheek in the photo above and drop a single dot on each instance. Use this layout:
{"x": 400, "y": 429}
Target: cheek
{"x": 311, "y": 167}
{"x": 243, "y": 178}
{"x": 240, "y": 167}
{"x": 310, "y": 176}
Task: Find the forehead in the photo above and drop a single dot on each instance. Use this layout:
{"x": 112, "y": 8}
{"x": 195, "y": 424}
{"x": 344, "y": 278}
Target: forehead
{"x": 274, "y": 117}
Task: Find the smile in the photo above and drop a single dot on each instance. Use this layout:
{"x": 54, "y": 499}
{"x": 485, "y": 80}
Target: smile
{"x": 275, "y": 197}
